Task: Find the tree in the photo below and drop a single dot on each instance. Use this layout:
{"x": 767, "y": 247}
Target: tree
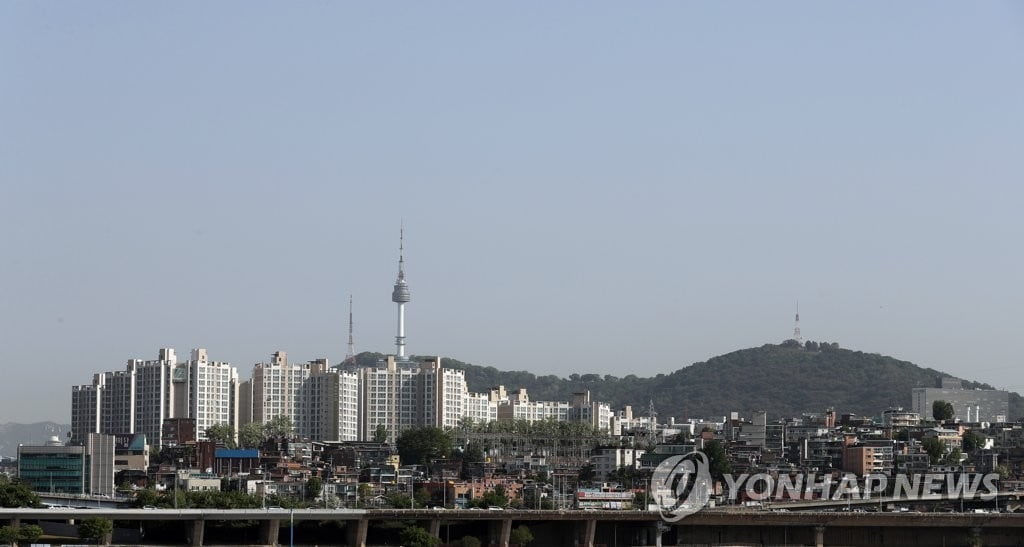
{"x": 472, "y": 453}
{"x": 1003, "y": 472}
{"x": 96, "y": 529}
{"x": 18, "y": 494}
{"x": 146, "y": 496}
{"x": 422, "y": 445}
{"x": 30, "y": 533}
{"x": 953, "y": 458}
{"x": 495, "y": 497}
{"x": 934, "y": 448}
{"x": 521, "y": 535}
{"x": 422, "y": 497}
{"x": 278, "y": 426}
{"x": 250, "y": 435}
{"x": 415, "y": 536}
{"x": 942, "y": 411}
{"x": 221, "y": 434}
{"x": 9, "y": 534}
{"x": 313, "y": 487}
{"x": 469, "y": 541}
{"x": 380, "y": 433}
{"x": 587, "y": 473}
{"x": 364, "y": 491}
{"x": 717, "y": 459}
{"x": 973, "y": 441}
{"x": 399, "y": 500}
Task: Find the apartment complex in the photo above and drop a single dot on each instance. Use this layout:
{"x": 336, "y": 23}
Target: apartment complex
{"x": 322, "y": 402}
{"x": 142, "y": 397}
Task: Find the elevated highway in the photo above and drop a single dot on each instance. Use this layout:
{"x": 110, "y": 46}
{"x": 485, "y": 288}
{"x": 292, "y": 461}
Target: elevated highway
{"x": 708, "y": 527}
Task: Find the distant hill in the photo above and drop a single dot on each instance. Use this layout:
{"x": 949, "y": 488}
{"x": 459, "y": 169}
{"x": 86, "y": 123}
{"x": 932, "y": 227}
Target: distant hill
{"x": 783, "y": 379}
{"x": 12, "y": 434}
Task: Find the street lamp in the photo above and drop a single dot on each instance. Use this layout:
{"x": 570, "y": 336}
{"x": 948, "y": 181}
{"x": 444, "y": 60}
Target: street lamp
{"x": 176, "y": 471}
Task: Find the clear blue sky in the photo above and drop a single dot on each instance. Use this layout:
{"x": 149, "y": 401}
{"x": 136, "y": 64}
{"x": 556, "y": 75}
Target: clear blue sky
{"x": 586, "y": 187}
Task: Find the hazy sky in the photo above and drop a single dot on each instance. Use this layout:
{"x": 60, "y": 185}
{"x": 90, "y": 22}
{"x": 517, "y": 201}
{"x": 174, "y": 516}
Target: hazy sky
{"x": 586, "y": 187}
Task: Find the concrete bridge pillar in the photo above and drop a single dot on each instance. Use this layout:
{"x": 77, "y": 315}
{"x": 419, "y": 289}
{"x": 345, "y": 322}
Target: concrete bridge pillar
{"x": 271, "y": 529}
{"x": 500, "y": 532}
{"x": 196, "y": 531}
{"x": 589, "y": 528}
{"x": 819, "y": 536}
{"x": 435, "y": 527}
{"x": 355, "y": 530}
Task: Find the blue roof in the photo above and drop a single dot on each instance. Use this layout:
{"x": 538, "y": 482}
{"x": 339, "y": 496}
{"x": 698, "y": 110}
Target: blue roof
{"x": 236, "y": 453}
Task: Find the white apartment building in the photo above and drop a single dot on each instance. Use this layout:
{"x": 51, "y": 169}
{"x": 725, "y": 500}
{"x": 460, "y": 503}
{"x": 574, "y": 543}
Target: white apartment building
{"x": 330, "y": 404}
{"x": 140, "y": 398}
{"x": 277, "y": 388}
{"x": 443, "y": 394}
{"x": 389, "y": 397}
{"x": 518, "y": 406}
{"x": 208, "y": 390}
{"x": 154, "y": 396}
{"x": 480, "y": 407}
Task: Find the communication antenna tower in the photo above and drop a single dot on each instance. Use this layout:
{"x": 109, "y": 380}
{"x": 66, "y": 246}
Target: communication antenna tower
{"x": 796, "y": 325}
{"x": 350, "y": 357}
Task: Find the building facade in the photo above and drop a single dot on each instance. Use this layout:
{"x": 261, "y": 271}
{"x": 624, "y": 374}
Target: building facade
{"x": 969, "y": 405}
{"x": 141, "y": 398}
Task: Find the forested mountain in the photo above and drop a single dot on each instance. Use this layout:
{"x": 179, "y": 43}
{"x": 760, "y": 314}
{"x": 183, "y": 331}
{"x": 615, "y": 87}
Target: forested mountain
{"x": 783, "y": 379}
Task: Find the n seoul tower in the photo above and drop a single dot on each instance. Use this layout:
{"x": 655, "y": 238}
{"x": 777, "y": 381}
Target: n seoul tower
{"x": 400, "y": 295}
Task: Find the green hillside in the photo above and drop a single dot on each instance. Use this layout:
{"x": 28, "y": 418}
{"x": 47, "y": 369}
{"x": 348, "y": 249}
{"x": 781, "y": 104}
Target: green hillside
{"x": 785, "y": 380}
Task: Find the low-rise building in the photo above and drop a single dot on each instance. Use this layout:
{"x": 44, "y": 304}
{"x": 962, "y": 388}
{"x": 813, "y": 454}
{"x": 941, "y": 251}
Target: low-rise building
{"x": 54, "y": 468}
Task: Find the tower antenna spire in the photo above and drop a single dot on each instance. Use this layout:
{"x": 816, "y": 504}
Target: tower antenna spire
{"x": 400, "y": 295}
{"x": 350, "y": 357}
{"x": 401, "y": 251}
{"x": 796, "y": 325}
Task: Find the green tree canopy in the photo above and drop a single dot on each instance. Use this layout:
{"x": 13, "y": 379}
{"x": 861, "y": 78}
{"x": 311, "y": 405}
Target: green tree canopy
{"x": 18, "y": 494}
{"x": 472, "y": 453}
{"x": 278, "y": 426}
{"x": 422, "y": 445}
{"x": 935, "y": 449}
{"x": 587, "y": 473}
{"x": 973, "y": 441}
{"x": 29, "y": 533}
{"x": 414, "y": 536}
{"x": 313, "y": 487}
{"x": 221, "y": 434}
{"x": 8, "y": 534}
{"x": 717, "y": 459}
{"x": 250, "y": 435}
{"x": 95, "y": 529}
{"x": 942, "y": 411}
{"x": 380, "y": 434}
{"x": 520, "y": 535}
